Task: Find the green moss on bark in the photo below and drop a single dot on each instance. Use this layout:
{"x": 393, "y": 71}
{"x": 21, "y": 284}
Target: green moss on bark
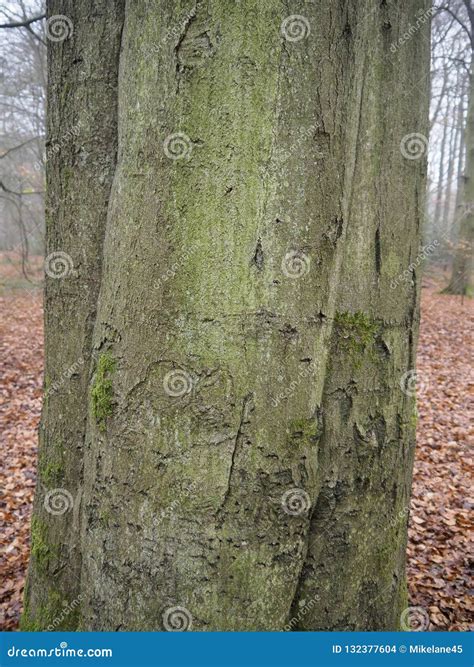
{"x": 51, "y": 472}
{"x": 55, "y": 614}
{"x": 356, "y": 334}
{"x": 102, "y": 393}
{"x": 305, "y": 432}
{"x": 41, "y": 550}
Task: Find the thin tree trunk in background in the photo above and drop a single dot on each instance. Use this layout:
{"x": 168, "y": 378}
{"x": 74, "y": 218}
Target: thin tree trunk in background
{"x": 461, "y": 277}
{"x": 453, "y": 231}
{"x": 434, "y": 183}
{"x": 449, "y": 179}
{"x": 243, "y": 445}
{"x": 460, "y": 160}
{"x": 440, "y": 188}
{"x": 441, "y": 98}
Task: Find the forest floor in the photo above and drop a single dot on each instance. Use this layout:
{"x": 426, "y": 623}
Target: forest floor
{"x": 439, "y": 567}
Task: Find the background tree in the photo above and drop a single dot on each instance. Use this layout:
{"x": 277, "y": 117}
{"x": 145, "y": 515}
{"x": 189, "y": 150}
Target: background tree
{"x": 236, "y": 440}
{"x": 452, "y": 107}
{"x": 22, "y": 102}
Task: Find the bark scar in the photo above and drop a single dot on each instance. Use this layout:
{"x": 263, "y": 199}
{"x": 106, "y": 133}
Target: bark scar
{"x": 246, "y": 404}
{"x": 258, "y": 258}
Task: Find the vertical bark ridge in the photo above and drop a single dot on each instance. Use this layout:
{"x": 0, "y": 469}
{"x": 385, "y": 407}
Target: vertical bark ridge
{"x": 216, "y": 320}
{"x": 353, "y": 577}
{"x": 80, "y": 154}
{"x": 354, "y": 112}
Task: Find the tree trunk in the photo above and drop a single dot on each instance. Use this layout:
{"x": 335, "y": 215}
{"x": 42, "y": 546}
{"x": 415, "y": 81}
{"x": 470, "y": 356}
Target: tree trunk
{"x": 461, "y": 277}
{"x": 461, "y": 130}
{"x": 245, "y": 449}
{"x": 80, "y": 163}
{"x": 440, "y": 198}
{"x": 453, "y": 141}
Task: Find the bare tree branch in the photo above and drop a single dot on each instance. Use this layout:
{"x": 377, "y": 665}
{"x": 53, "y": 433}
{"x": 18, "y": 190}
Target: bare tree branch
{"x": 23, "y": 24}
{"x": 15, "y": 148}
{"x": 20, "y": 194}
{"x": 470, "y": 13}
{"x": 449, "y": 11}
{"x": 26, "y": 23}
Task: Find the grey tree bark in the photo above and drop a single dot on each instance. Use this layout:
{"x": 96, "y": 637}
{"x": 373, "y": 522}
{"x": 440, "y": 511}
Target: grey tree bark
{"x": 453, "y": 142}
{"x": 440, "y": 192}
{"x": 461, "y": 277}
{"x": 238, "y": 441}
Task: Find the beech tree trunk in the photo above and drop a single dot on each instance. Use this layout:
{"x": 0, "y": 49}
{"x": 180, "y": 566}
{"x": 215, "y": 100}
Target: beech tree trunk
{"x": 440, "y": 194}
{"x": 453, "y": 141}
{"x": 236, "y": 437}
{"x": 461, "y": 276}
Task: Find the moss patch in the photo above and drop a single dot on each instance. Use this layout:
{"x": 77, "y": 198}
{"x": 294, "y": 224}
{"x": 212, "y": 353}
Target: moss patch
{"x": 104, "y": 518}
{"x": 55, "y": 614}
{"x": 101, "y": 393}
{"x": 356, "y": 334}
{"x": 28, "y": 624}
{"x": 51, "y": 473}
{"x": 40, "y": 548}
{"x": 305, "y": 432}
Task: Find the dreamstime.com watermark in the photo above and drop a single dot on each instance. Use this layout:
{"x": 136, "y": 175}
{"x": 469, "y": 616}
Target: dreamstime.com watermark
{"x": 68, "y": 609}
{"x": 66, "y": 375}
{"x": 59, "y": 265}
{"x": 58, "y": 501}
{"x": 177, "y": 619}
{"x": 413, "y": 384}
{"x": 425, "y": 252}
{"x": 170, "y": 509}
{"x": 304, "y": 608}
{"x": 57, "y": 145}
{"x": 171, "y": 33}
{"x": 59, "y": 28}
{"x": 61, "y": 651}
{"x": 171, "y": 272}
{"x": 423, "y": 17}
{"x": 291, "y": 388}
{"x": 400, "y": 517}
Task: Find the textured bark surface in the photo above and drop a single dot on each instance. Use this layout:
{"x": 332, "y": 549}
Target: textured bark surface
{"x": 461, "y": 279}
{"x": 247, "y": 342}
{"x": 81, "y": 153}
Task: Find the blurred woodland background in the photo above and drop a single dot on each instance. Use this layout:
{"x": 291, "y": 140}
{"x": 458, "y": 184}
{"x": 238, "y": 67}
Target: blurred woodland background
{"x": 439, "y": 566}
